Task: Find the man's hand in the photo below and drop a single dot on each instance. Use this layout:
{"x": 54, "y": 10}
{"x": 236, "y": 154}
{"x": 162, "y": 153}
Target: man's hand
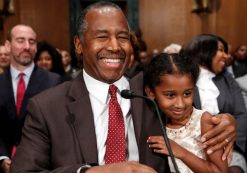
{"x": 6, "y": 165}
{"x": 223, "y": 135}
{"x": 124, "y": 167}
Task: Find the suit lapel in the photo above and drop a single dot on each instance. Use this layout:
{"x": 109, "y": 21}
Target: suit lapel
{"x": 10, "y": 93}
{"x": 137, "y": 104}
{"x": 83, "y": 121}
{"x": 219, "y": 82}
{"x": 196, "y": 99}
{"x": 80, "y": 111}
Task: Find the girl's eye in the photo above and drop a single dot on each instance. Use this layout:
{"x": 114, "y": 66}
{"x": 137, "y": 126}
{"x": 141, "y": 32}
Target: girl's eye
{"x": 186, "y": 94}
{"x": 169, "y": 95}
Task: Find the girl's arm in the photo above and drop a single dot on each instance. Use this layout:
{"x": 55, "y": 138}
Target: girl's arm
{"x": 213, "y": 162}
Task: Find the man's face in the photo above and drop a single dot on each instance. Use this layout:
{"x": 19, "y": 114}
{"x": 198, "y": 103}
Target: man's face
{"x": 4, "y": 57}
{"x": 106, "y": 47}
{"x": 22, "y": 45}
{"x": 241, "y": 53}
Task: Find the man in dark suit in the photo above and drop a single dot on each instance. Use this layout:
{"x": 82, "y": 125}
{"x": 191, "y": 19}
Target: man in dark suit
{"x": 22, "y": 46}
{"x": 239, "y": 64}
{"x": 71, "y": 134}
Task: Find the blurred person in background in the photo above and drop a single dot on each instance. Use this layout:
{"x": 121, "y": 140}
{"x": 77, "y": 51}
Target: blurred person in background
{"x": 4, "y": 59}
{"x": 141, "y": 57}
{"x": 239, "y": 65}
{"x": 48, "y": 58}
{"x": 172, "y": 48}
{"x": 70, "y": 71}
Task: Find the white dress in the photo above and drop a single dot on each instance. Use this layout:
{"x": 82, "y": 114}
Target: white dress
{"x": 188, "y": 137}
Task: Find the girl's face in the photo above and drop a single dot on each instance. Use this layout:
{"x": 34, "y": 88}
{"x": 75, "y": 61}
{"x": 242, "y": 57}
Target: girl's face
{"x": 174, "y": 96}
{"x": 219, "y": 61}
{"x": 45, "y": 61}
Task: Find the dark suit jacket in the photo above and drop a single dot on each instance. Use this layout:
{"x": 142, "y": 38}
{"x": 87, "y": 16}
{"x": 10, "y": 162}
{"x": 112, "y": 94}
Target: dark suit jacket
{"x": 72, "y": 73}
{"x": 59, "y": 132}
{"x": 10, "y": 125}
{"x": 239, "y": 68}
{"x": 230, "y": 101}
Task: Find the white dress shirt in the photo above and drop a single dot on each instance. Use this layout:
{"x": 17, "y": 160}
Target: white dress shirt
{"x": 15, "y": 77}
{"x": 99, "y": 97}
{"x": 208, "y": 91}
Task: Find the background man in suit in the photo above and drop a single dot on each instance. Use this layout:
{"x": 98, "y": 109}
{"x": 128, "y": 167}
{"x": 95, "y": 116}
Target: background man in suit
{"x": 22, "y": 46}
{"x": 71, "y": 135}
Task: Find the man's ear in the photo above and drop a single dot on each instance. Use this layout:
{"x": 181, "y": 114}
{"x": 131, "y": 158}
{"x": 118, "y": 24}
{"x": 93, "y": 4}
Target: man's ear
{"x": 7, "y": 45}
{"x": 78, "y": 45}
{"x": 131, "y": 61}
{"x": 149, "y": 92}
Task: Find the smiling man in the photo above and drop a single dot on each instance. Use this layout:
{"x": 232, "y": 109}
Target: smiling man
{"x": 106, "y": 44}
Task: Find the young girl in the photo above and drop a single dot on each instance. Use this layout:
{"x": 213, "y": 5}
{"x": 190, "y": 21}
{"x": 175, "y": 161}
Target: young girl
{"x": 170, "y": 79}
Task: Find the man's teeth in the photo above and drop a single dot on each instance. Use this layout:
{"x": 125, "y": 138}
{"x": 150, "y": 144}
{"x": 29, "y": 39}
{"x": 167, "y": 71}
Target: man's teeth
{"x": 112, "y": 60}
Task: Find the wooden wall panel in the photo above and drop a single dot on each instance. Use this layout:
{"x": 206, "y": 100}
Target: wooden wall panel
{"x": 162, "y": 21}
{"x": 231, "y": 21}
{"x": 49, "y": 18}
{"x": 171, "y": 21}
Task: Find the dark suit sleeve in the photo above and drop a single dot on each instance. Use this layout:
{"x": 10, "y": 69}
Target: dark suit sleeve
{"x": 34, "y": 154}
{"x": 3, "y": 148}
{"x": 7, "y": 111}
{"x": 55, "y": 79}
{"x": 239, "y": 112}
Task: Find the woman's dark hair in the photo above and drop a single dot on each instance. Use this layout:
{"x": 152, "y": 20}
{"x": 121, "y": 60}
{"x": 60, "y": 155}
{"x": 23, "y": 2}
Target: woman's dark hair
{"x": 57, "y": 64}
{"x": 164, "y": 63}
{"x": 203, "y": 48}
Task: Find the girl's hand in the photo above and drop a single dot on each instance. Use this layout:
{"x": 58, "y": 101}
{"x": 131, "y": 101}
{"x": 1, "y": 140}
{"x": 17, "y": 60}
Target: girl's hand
{"x": 157, "y": 143}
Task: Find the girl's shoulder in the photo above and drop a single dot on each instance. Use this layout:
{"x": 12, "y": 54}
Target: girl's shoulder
{"x": 203, "y": 116}
{"x": 198, "y": 113}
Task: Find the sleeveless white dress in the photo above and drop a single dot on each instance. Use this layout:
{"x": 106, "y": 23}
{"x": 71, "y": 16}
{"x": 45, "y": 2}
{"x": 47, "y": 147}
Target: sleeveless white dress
{"x": 188, "y": 137}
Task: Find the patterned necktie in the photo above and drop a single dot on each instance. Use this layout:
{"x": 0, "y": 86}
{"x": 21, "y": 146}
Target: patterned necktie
{"x": 115, "y": 143}
{"x": 21, "y": 88}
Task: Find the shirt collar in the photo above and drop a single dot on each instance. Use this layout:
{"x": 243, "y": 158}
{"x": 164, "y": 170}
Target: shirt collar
{"x": 206, "y": 73}
{"x": 15, "y": 73}
{"x": 102, "y": 88}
